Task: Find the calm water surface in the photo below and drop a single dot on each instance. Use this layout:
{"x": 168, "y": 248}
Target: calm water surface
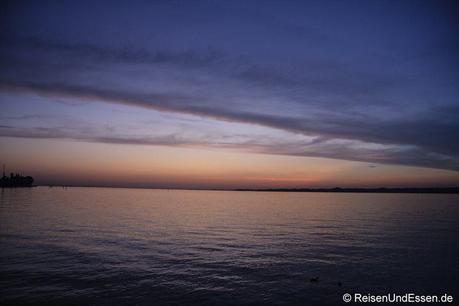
{"x": 130, "y": 246}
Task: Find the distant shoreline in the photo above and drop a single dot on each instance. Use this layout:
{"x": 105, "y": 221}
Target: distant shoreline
{"x": 444, "y": 190}
{"x": 420, "y": 190}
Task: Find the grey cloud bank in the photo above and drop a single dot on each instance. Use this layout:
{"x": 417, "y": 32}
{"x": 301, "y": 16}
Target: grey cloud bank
{"x": 348, "y": 74}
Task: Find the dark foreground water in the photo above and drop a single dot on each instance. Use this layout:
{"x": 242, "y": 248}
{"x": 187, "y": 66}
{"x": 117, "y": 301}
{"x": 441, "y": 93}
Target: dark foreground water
{"x": 129, "y": 246}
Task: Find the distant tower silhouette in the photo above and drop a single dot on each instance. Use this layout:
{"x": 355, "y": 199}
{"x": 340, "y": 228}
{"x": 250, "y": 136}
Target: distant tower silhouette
{"x": 3, "y": 170}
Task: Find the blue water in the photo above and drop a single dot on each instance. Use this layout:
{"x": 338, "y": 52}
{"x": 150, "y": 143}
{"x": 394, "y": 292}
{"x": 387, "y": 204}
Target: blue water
{"x": 106, "y": 246}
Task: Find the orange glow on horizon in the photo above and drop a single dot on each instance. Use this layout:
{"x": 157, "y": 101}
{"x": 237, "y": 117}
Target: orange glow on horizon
{"x": 79, "y": 163}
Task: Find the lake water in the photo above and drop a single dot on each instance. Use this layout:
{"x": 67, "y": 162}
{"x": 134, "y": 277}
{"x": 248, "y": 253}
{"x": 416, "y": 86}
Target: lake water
{"x": 107, "y": 246}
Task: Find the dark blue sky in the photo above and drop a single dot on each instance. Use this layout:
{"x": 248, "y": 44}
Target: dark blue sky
{"x": 373, "y": 81}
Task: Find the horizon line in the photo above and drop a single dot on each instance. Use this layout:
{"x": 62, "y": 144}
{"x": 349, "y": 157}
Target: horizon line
{"x": 382, "y": 189}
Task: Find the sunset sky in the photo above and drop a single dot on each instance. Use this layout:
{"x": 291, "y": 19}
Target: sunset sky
{"x": 231, "y": 94}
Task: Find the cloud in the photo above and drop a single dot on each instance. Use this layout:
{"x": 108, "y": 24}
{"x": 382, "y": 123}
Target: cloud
{"x": 323, "y": 148}
{"x": 22, "y": 117}
{"x": 323, "y": 102}
{"x": 412, "y": 132}
{"x": 123, "y": 54}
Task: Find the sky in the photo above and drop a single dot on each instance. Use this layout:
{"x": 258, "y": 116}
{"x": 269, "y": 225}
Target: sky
{"x": 231, "y": 94}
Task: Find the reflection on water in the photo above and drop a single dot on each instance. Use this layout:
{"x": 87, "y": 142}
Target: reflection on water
{"x": 131, "y": 246}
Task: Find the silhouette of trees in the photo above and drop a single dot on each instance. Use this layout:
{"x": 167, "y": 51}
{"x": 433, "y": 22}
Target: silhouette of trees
{"x": 16, "y": 180}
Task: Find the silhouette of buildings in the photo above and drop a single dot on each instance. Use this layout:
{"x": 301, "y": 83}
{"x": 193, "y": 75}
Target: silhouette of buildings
{"x": 15, "y": 180}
